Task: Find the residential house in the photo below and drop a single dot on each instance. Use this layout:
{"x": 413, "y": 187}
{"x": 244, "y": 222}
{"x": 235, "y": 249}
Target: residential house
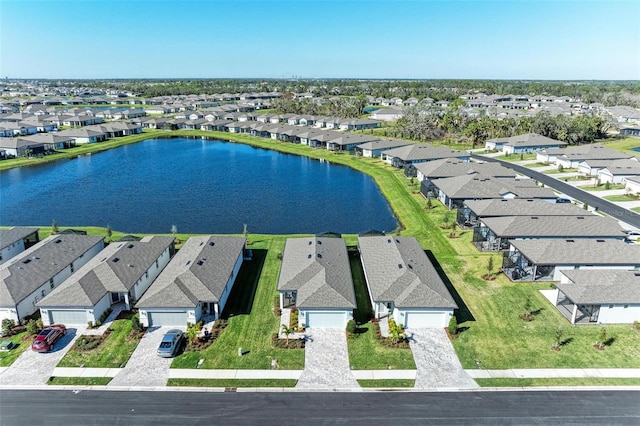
{"x": 403, "y": 283}
{"x": 618, "y": 170}
{"x": 83, "y": 135}
{"x": 349, "y": 141}
{"x": 545, "y": 259}
{"x": 451, "y": 167}
{"x": 196, "y": 282}
{"x": 599, "y": 296}
{"x": 473, "y": 211}
{"x": 453, "y": 192}
{"x": 15, "y": 240}
{"x": 315, "y": 277}
{"x": 571, "y": 157}
{"x": 420, "y": 153}
{"x": 120, "y": 273}
{"x": 528, "y": 142}
{"x": 358, "y": 124}
{"x": 387, "y": 114}
{"x": 375, "y": 148}
{"x": 632, "y": 185}
{"x": 32, "y": 274}
{"x": 495, "y": 233}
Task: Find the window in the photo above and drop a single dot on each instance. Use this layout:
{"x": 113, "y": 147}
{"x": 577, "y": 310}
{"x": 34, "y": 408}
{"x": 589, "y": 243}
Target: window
{"x": 51, "y": 284}
{"x": 72, "y": 268}
{"x": 157, "y": 264}
{"x": 610, "y": 306}
{"x": 626, "y": 306}
{"x": 44, "y": 292}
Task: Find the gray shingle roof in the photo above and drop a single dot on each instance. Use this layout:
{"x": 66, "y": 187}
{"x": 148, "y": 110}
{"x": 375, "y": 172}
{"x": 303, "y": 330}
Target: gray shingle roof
{"x": 450, "y": 167}
{"x": 104, "y": 274}
{"x": 14, "y": 234}
{"x": 318, "y": 269}
{"x": 384, "y": 144}
{"x": 554, "y": 226}
{"x": 522, "y": 207}
{"x": 529, "y": 140}
{"x": 602, "y": 286}
{"x": 581, "y": 251}
{"x": 29, "y": 270}
{"x": 199, "y": 272}
{"x": 424, "y": 151}
{"x": 587, "y": 152}
{"x": 478, "y": 186}
{"x": 399, "y": 271}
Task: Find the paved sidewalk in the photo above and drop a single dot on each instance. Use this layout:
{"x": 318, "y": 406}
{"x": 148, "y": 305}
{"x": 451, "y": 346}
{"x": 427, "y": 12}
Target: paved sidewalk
{"x": 326, "y": 363}
{"x": 436, "y": 361}
{"x": 117, "y": 308}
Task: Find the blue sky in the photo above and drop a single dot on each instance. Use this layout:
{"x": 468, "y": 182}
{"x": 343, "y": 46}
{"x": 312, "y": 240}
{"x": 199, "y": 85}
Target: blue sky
{"x": 340, "y": 39}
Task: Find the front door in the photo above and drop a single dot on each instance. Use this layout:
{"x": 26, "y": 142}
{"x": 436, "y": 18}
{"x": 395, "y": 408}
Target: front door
{"x": 594, "y": 312}
{"x": 115, "y": 298}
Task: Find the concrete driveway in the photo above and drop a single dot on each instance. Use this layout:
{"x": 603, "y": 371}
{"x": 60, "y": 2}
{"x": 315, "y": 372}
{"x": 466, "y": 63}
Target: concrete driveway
{"x": 436, "y": 361}
{"x": 326, "y": 361}
{"x": 145, "y": 367}
{"x": 33, "y": 368}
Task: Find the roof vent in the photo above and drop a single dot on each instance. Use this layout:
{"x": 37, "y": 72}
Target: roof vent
{"x": 200, "y": 262}
{"x": 309, "y": 256}
{"x": 600, "y": 241}
{"x": 310, "y": 242}
{"x": 115, "y": 259}
{"x": 188, "y": 262}
{"x": 26, "y": 261}
{"x": 571, "y": 241}
{"x": 201, "y": 242}
{"x": 319, "y": 255}
{"x": 58, "y": 241}
{"x": 399, "y": 265}
{"x": 130, "y": 246}
{"x": 212, "y": 244}
{"x": 534, "y": 217}
{"x": 580, "y": 217}
{"x": 130, "y": 265}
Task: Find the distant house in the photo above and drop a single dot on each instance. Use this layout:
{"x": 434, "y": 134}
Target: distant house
{"x": 630, "y": 131}
{"x": 196, "y": 282}
{"x": 571, "y": 157}
{"x": 120, "y": 273}
{"x": 403, "y": 283}
{"x": 358, "y": 124}
{"x": 599, "y": 296}
{"x": 376, "y": 147}
{"x": 453, "y": 192}
{"x": 15, "y": 240}
{"x": 349, "y": 141}
{"x": 617, "y": 171}
{"x": 545, "y": 259}
{"x": 387, "y": 114}
{"x": 315, "y": 277}
{"x": 32, "y": 274}
{"x": 528, "y": 142}
{"x": 451, "y": 167}
{"x": 495, "y": 233}
{"x": 81, "y": 136}
{"x": 632, "y": 185}
{"x": 420, "y": 153}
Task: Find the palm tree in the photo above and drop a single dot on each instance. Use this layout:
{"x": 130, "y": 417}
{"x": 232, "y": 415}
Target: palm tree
{"x": 287, "y": 331}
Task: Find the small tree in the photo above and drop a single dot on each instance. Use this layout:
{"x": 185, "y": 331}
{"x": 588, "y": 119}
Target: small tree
{"x": 527, "y": 316}
{"x": 192, "y": 332}
{"x": 453, "y": 326}
{"x": 109, "y": 233}
{"x": 558, "y": 338}
{"x": 602, "y": 337}
{"x": 54, "y": 227}
{"x": 607, "y": 185}
{"x": 446, "y": 220}
{"x": 32, "y": 327}
{"x": 585, "y": 206}
{"x": 135, "y": 323}
{"x": 490, "y": 267}
{"x": 287, "y": 331}
{"x": 429, "y": 203}
{"x": 561, "y": 168}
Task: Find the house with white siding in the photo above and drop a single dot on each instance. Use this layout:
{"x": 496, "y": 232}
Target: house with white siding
{"x": 618, "y": 170}
{"x": 315, "y": 277}
{"x": 403, "y": 283}
{"x": 34, "y": 273}
{"x": 196, "y": 282}
{"x": 120, "y": 273}
{"x": 15, "y": 240}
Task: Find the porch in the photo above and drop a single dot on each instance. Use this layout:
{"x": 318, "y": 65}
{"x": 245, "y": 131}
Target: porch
{"x": 584, "y": 314}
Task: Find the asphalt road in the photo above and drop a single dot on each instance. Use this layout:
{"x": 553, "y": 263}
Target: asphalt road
{"x": 604, "y": 206}
{"x": 68, "y": 407}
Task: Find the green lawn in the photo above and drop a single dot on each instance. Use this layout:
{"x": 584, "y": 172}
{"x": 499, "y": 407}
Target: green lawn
{"x": 363, "y": 345}
{"x": 234, "y": 383}
{"x": 624, "y": 145}
{"x": 251, "y": 318}
{"x": 7, "y": 358}
{"x": 387, "y": 383}
{"x": 636, "y": 209}
{"x": 601, "y": 187}
{"x": 517, "y": 157}
{"x": 113, "y": 352}
{"x": 557, "y": 171}
{"x": 587, "y": 381}
{"x": 79, "y": 381}
{"x": 620, "y": 198}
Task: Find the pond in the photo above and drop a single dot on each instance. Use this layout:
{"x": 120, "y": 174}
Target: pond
{"x": 201, "y": 186}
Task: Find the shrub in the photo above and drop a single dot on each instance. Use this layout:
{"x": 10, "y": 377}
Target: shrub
{"x": 636, "y": 325}
{"x": 90, "y": 324}
{"x": 87, "y": 343}
{"x": 295, "y": 317}
{"x": 32, "y": 327}
{"x": 453, "y": 326}
{"x": 351, "y": 327}
{"x": 560, "y": 168}
{"x": 136, "y": 324}
{"x": 7, "y": 326}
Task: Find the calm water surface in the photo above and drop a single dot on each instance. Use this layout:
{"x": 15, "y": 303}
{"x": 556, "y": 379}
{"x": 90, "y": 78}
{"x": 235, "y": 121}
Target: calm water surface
{"x": 198, "y": 185}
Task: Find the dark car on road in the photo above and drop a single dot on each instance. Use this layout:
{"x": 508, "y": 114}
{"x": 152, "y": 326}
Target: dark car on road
{"x": 45, "y": 340}
{"x": 171, "y": 343}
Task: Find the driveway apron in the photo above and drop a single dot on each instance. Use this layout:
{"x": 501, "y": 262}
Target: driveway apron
{"x": 33, "y": 368}
{"x": 145, "y": 367}
{"x": 436, "y": 361}
{"x": 326, "y": 361}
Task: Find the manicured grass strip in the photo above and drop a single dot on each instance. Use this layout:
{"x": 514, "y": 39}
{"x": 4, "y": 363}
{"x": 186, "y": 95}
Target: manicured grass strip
{"x": 251, "y": 319}
{"x": 636, "y": 209}
{"x": 7, "y": 358}
{"x": 624, "y": 145}
{"x": 234, "y": 383}
{"x": 558, "y": 171}
{"x": 585, "y": 381}
{"x": 387, "y": 383}
{"x": 620, "y": 198}
{"x": 366, "y": 353}
{"x": 79, "y": 381}
{"x": 592, "y": 188}
{"x": 113, "y": 352}
{"x": 517, "y": 157}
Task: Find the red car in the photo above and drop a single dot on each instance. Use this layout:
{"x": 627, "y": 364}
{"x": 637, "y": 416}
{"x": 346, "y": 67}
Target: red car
{"x": 46, "y": 338}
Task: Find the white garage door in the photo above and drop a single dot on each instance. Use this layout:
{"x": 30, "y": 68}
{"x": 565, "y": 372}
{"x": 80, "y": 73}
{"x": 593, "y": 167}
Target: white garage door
{"x": 326, "y": 319}
{"x": 159, "y": 318}
{"x": 425, "y": 319}
{"x": 68, "y": 317}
